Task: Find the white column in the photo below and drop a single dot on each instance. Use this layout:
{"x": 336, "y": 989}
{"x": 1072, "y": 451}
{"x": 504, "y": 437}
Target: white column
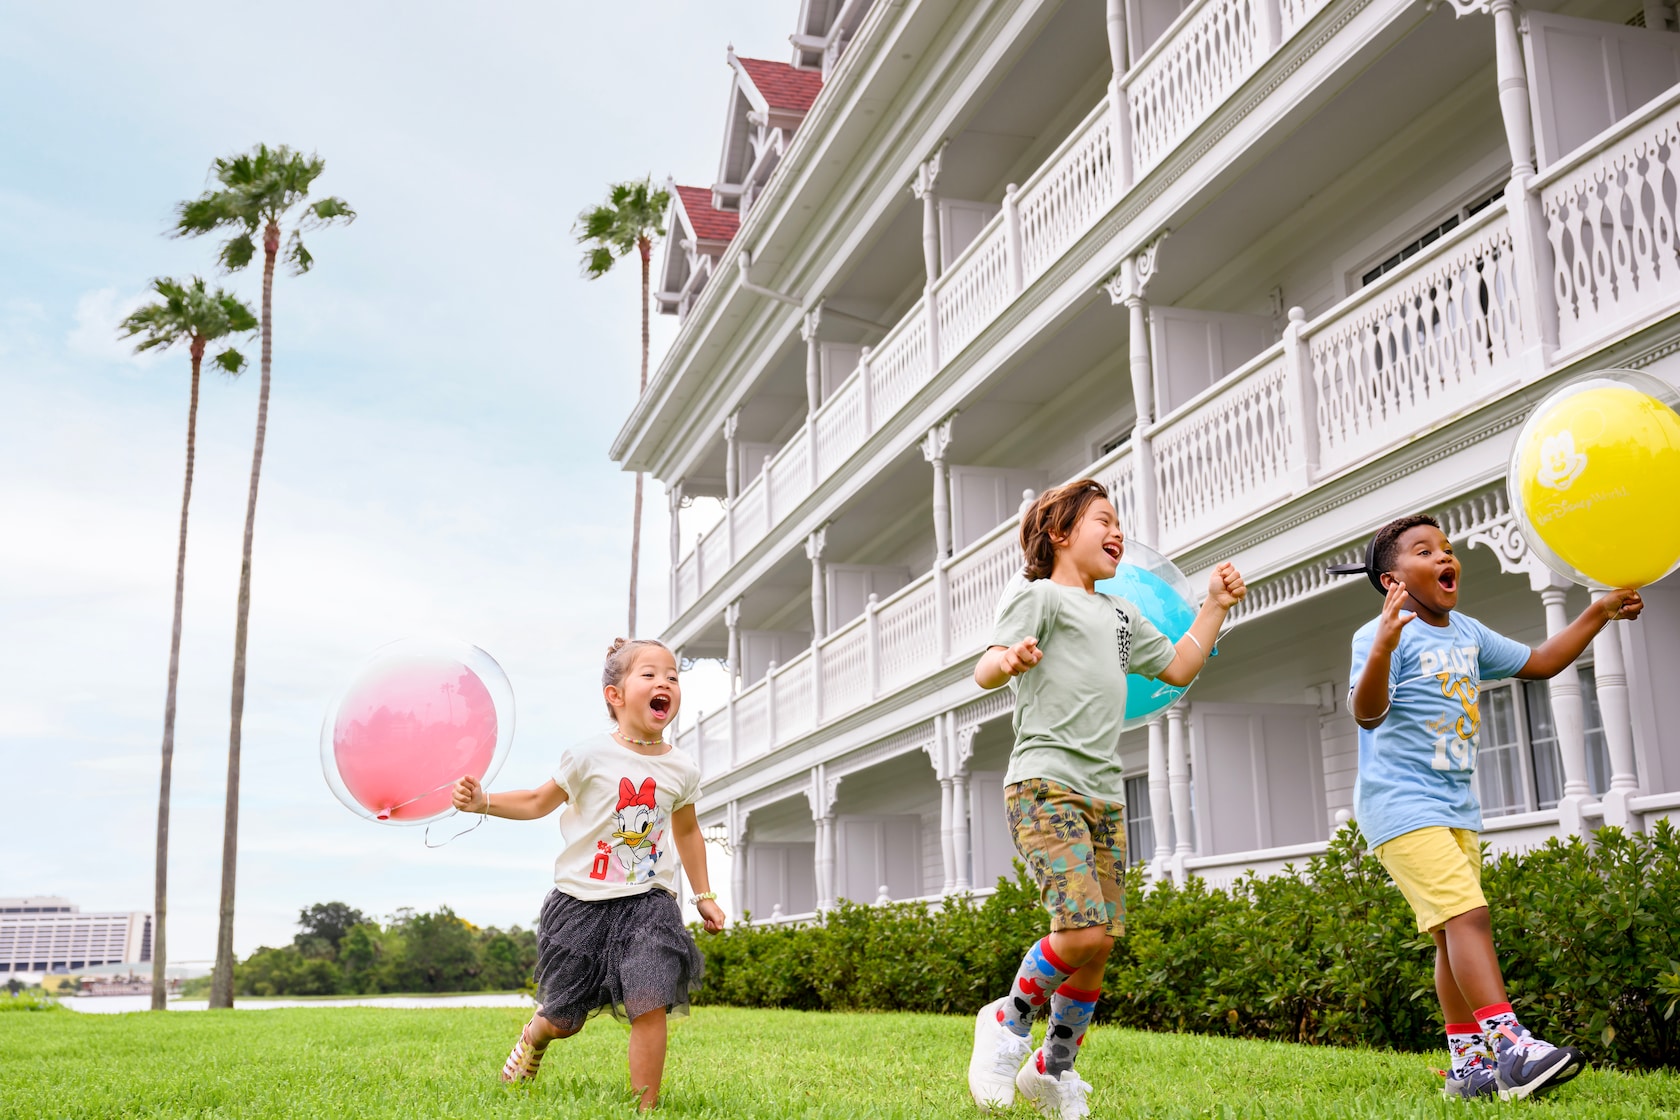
{"x": 825, "y": 862}
{"x": 935, "y": 445}
{"x": 673, "y": 495}
{"x": 731, "y": 455}
{"x": 1128, "y": 288}
{"x": 732, "y": 621}
{"x": 1178, "y": 779}
{"x": 814, "y": 546}
{"x": 809, "y": 329}
{"x": 947, "y": 831}
{"x": 1012, "y": 242}
{"x": 1513, "y": 88}
{"x": 925, "y": 187}
{"x": 738, "y": 861}
{"x": 1116, "y": 22}
{"x": 1160, "y": 800}
{"x": 1120, "y": 115}
{"x": 1568, "y": 718}
{"x": 960, "y": 847}
{"x": 1610, "y": 680}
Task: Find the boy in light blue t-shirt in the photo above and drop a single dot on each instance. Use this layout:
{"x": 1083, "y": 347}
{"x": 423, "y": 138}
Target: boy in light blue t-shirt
{"x": 1418, "y": 669}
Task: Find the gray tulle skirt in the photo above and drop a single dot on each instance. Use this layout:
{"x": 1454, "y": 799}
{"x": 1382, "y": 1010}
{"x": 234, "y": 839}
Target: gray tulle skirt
{"x": 628, "y": 955}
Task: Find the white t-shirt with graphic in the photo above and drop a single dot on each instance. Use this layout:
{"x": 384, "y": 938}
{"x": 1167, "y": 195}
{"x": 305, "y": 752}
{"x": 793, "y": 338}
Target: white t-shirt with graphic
{"x": 615, "y": 825}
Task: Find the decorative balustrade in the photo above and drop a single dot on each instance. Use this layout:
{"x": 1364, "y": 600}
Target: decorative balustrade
{"x": 1611, "y": 213}
{"x": 1419, "y": 344}
{"x": 1190, "y": 71}
{"x": 978, "y": 576}
{"x": 842, "y": 425}
{"x": 1232, "y": 448}
{"x": 708, "y": 742}
{"x": 909, "y": 640}
{"x": 790, "y": 476}
{"x": 752, "y": 722}
{"x": 845, "y": 667}
{"x": 975, "y": 288}
{"x": 795, "y": 700}
{"x": 1074, "y": 187}
{"x": 899, "y": 366}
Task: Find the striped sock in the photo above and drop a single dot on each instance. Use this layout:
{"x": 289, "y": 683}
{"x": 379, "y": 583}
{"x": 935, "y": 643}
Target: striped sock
{"x": 1466, "y": 1043}
{"x": 1041, "y": 973}
{"x": 1070, "y": 1014}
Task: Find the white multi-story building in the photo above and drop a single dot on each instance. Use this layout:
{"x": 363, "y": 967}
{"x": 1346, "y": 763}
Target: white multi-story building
{"x": 41, "y": 935}
{"x": 1275, "y": 271}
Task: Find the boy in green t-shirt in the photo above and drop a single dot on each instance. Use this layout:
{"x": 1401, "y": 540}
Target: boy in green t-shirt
{"x": 1064, "y": 789}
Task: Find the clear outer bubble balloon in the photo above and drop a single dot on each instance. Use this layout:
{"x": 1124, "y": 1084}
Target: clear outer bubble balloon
{"x": 1595, "y": 479}
{"x": 416, "y": 717}
{"x": 1153, "y": 584}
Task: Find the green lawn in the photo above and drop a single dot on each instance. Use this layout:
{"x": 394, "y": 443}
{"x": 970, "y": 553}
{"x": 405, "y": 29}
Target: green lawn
{"x": 368, "y": 1062}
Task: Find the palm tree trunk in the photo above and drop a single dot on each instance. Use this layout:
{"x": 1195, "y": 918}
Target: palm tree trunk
{"x": 160, "y": 900}
{"x": 221, "y": 987}
{"x": 645, "y": 247}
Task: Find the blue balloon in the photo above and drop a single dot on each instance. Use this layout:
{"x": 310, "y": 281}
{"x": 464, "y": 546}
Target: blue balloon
{"x": 1153, "y": 584}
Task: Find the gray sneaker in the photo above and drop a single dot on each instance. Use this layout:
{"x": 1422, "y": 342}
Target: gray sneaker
{"x": 1478, "y": 1079}
{"x": 1528, "y": 1065}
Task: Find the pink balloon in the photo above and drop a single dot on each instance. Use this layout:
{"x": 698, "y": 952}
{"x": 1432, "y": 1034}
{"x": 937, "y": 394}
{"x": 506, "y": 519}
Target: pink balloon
{"x": 407, "y": 729}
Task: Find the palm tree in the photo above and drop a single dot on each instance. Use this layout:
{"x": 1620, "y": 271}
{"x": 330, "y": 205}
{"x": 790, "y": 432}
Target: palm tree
{"x": 256, "y": 194}
{"x": 184, "y": 313}
{"x": 630, "y": 219}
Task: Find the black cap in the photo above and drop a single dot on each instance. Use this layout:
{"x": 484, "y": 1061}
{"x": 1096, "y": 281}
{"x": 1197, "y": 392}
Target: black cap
{"x": 1368, "y": 568}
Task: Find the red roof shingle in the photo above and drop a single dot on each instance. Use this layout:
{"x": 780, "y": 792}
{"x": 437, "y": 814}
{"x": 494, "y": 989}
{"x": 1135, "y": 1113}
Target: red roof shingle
{"x": 784, "y": 87}
{"x": 707, "y": 224}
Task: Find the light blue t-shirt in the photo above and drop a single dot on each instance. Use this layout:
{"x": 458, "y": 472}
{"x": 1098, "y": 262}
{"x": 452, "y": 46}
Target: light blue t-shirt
{"x": 1415, "y": 768}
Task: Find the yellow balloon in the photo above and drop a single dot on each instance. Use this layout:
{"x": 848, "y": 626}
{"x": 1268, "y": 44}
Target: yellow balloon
{"x": 1597, "y": 479}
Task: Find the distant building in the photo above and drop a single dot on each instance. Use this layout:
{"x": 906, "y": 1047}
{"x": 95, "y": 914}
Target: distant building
{"x": 41, "y": 935}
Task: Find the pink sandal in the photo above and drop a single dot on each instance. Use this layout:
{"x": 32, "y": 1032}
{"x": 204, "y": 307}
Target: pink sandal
{"x": 522, "y": 1063}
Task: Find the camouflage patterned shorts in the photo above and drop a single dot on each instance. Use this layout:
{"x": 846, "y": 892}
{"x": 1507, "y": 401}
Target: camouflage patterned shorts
{"x": 1074, "y": 847}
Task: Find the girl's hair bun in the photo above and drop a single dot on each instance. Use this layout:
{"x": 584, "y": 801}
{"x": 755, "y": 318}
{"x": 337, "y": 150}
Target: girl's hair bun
{"x": 618, "y": 644}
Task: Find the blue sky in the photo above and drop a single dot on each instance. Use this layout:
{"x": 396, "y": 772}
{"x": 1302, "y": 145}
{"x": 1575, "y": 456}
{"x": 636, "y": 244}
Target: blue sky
{"x": 445, "y": 389}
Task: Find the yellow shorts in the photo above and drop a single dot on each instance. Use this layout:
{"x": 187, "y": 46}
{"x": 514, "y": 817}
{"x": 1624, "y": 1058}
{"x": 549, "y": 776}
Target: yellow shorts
{"x": 1438, "y": 869}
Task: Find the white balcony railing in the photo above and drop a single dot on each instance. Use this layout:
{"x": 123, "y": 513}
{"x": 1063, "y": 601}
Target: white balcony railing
{"x": 1192, "y": 69}
{"x": 1613, "y": 220}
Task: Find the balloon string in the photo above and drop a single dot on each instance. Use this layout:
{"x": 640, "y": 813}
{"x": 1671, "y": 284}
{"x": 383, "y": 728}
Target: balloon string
{"x": 482, "y": 817}
{"x": 418, "y": 797}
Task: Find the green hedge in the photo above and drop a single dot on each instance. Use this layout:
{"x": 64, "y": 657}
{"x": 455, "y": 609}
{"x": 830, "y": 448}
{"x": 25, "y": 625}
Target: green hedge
{"x": 1588, "y": 934}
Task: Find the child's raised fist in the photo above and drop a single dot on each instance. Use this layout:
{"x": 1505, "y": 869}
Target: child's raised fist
{"x": 469, "y": 797}
{"x": 1624, "y": 602}
{"x": 1225, "y": 585}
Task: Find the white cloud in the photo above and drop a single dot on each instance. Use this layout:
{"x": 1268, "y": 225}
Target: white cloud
{"x": 98, "y": 316}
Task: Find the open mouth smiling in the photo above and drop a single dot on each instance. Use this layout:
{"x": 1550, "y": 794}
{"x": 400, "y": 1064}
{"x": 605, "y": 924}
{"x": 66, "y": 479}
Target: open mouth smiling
{"x": 661, "y": 705}
{"x": 1113, "y": 551}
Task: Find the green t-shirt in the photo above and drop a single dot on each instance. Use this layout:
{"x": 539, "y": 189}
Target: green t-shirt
{"x": 1069, "y": 707}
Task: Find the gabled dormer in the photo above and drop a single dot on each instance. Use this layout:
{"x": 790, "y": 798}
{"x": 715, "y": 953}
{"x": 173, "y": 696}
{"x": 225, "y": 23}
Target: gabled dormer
{"x": 767, "y": 102}
{"x": 696, "y": 234}
{"x": 825, "y": 30}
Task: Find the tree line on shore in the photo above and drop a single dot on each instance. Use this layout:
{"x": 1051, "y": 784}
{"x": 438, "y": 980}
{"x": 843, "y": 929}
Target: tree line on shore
{"x": 339, "y": 950}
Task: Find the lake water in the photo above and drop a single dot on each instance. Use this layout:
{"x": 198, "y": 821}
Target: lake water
{"x": 111, "y": 1005}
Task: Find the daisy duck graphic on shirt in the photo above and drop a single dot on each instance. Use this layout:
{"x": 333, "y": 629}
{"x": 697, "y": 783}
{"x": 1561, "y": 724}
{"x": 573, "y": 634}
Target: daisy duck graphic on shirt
{"x": 633, "y": 854}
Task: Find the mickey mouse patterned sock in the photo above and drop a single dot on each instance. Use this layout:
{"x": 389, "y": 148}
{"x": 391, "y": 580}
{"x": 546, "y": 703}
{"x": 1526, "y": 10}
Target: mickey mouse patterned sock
{"x": 1070, "y": 1013}
{"x": 1041, "y": 973}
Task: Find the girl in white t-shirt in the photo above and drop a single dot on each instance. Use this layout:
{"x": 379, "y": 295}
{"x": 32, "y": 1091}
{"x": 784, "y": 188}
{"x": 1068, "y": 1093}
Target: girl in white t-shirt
{"x": 611, "y": 936}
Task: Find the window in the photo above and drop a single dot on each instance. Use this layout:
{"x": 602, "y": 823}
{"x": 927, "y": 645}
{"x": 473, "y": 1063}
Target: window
{"x": 1519, "y": 767}
{"x": 1140, "y": 826}
{"x": 1429, "y": 237}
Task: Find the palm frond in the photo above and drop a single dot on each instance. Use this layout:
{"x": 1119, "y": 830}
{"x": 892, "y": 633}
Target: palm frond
{"x": 237, "y": 252}
{"x": 186, "y": 312}
{"x": 298, "y": 258}
{"x": 230, "y": 362}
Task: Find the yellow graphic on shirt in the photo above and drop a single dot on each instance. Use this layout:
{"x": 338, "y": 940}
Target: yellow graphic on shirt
{"x": 1455, "y": 740}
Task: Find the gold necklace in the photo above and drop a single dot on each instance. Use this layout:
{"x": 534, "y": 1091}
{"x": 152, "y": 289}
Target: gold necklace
{"x": 659, "y": 742}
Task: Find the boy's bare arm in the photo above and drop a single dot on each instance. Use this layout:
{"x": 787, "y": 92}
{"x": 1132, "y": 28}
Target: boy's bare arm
{"x": 1000, "y": 663}
{"x": 1225, "y": 590}
{"x": 1370, "y": 692}
{"x": 1559, "y": 651}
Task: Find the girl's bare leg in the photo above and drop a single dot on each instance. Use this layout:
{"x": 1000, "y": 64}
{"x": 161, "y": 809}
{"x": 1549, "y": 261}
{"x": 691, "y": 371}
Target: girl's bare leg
{"x": 647, "y": 1055}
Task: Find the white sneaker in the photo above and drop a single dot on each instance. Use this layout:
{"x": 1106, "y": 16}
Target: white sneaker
{"x": 1061, "y": 1097}
{"x": 998, "y": 1053}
